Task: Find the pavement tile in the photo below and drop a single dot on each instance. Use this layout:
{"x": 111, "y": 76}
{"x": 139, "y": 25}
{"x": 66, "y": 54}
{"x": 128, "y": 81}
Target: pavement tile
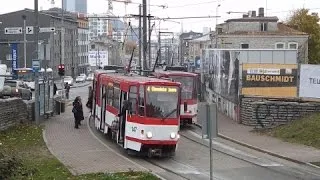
{"x": 78, "y": 150}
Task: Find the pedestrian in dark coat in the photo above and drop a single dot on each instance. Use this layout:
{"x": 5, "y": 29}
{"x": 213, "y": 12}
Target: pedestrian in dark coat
{"x": 90, "y": 99}
{"x": 55, "y": 89}
{"x": 77, "y": 112}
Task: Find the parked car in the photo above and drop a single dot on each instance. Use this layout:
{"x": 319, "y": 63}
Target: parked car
{"x": 90, "y": 77}
{"x": 31, "y": 85}
{"x": 69, "y": 80}
{"x": 85, "y": 76}
{"x": 16, "y": 88}
{"x": 81, "y": 79}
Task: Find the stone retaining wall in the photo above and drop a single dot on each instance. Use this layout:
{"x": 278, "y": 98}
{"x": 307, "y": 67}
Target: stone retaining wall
{"x": 14, "y": 111}
{"x": 270, "y": 113}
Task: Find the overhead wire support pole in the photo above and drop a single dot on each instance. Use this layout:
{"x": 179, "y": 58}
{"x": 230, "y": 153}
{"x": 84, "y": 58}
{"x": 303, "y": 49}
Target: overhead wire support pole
{"x": 24, "y": 17}
{"x": 144, "y": 7}
{"x": 36, "y": 37}
{"x": 149, "y": 40}
{"x": 140, "y": 38}
{"x": 62, "y": 44}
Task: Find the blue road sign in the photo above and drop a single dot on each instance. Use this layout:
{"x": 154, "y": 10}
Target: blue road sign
{"x": 35, "y": 65}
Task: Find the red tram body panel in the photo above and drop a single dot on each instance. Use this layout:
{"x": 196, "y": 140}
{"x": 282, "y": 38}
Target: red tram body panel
{"x": 150, "y": 124}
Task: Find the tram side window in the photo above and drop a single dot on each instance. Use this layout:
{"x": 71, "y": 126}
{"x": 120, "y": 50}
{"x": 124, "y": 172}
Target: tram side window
{"x": 141, "y": 101}
{"x": 110, "y": 95}
{"x": 133, "y": 94}
{"x": 116, "y": 97}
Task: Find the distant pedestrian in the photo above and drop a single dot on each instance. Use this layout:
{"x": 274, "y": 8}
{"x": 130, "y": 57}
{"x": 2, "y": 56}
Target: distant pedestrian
{"x": 67, "y": 88}
{"x": 55, "y": 89}
{"x": 90, "y": 99}
{"x": 77, "y": 111}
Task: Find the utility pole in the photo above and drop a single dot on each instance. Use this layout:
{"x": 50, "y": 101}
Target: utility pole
{"x": 24, "y": 17}
{"x": 216, "y": 37}
{"x": 36, "y": 37}
{"x": 150, "y": 31}
{"x": 159, "y": 42}
{"x": 140, "y": 38}
{"x": 62, "y": 41}
{"x": 144, "y": 5}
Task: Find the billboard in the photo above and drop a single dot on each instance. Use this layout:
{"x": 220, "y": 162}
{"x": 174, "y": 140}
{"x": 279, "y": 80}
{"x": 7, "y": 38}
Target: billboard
{"x": 221, "y": 72}
{"x": 269, "y": 80}
{"x": 309, "y": 81}
{"x": 96, "y": 58}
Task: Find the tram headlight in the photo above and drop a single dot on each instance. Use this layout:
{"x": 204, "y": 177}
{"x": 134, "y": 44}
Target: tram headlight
{"x": 149, "y": 135}
{"x": 173, "y": 135}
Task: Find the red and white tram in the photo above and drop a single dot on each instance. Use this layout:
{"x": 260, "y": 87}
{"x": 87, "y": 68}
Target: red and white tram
{"x": 189, "y": 95}
{"x": 150, "y": 124}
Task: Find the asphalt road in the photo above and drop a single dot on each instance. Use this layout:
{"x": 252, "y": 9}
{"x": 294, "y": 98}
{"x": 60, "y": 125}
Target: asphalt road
{"x": 192, "y": 160}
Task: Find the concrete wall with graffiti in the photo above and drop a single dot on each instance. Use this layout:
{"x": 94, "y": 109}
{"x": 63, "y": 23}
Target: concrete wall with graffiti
{"x": 222, "y": 74}
{"x": 268, "y": 113}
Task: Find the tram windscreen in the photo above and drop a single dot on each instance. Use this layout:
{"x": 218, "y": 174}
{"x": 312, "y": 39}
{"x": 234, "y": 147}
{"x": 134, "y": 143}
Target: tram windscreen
{"x": 162, "y": 101}
{"x": 187, "y": 86}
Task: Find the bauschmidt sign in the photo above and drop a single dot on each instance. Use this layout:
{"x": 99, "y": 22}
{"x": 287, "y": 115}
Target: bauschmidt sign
{"x": 309, "y": 81}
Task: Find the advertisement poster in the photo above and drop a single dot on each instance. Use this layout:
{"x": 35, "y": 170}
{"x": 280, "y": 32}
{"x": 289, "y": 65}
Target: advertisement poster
{"x": 98, "y": 58}
{"x": 269, "y": 80}
{"x": 309, "y": 81}
{"x": 221, "y": 69}
{"x": 14, "y": 55}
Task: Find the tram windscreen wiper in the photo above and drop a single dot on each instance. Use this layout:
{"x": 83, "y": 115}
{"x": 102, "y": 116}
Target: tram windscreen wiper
{"x": 166, "y": 116}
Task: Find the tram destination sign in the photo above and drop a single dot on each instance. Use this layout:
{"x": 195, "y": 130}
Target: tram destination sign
{"x": 161, "y": 89}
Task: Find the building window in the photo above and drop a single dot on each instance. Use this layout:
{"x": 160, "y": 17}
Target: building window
{"x": 280, "y": 45}
{"x": 244, "y": 46}
{"x": 264, "y": 26}
{"x": 292, "y": 45}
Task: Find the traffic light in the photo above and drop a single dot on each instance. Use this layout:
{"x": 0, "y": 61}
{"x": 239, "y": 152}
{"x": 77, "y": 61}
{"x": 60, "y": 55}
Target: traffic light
{"x": 61, "y": 70}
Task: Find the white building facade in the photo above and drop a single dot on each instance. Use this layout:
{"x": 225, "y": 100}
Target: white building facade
{"x": 83, "y": 45}
{"x": 98, "y": 26}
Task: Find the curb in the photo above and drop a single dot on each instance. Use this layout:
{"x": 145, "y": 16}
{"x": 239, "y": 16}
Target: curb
{"x": 263, "y": 150}
{"x": 53, "y": 153}
{"x": 266, "y": 151}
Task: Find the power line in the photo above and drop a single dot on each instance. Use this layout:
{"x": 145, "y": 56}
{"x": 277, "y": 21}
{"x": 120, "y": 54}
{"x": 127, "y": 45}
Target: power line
{"x": 195, "y": 4}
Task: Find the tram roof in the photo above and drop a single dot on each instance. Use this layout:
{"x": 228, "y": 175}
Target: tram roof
{"x": 135, "y": 78}
{"x": 175, "y": 73}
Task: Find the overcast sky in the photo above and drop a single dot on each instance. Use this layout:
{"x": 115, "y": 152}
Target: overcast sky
{"x": 182, "y": 8}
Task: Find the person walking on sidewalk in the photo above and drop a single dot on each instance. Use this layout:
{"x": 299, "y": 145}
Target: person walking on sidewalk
{"x": 77, "y": 111}
{"x": 67, "y": 88}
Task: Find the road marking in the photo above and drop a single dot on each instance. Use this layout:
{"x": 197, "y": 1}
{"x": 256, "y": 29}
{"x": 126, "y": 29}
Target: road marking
{"x": 263, "y": 162}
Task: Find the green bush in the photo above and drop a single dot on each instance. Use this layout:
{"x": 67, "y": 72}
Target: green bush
{"x": 8, "y": 166}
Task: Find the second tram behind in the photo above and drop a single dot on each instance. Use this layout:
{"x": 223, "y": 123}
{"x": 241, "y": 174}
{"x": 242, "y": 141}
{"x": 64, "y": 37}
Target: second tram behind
{"x": 151, "y": 122}
{"x": 189, "y": 95}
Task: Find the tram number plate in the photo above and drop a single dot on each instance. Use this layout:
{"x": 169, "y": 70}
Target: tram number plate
{"x": 134, "y": 129}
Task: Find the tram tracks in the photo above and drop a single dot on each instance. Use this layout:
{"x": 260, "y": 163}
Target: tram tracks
{"x": 148, "y": 164}
{"x": 251, "y": 159}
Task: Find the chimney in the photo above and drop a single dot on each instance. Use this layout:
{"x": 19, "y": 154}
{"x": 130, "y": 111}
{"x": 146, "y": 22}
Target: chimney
{"x": 245, "y": 15}
{"x": 253, "y": 14}
{"x": 261, "y": 12}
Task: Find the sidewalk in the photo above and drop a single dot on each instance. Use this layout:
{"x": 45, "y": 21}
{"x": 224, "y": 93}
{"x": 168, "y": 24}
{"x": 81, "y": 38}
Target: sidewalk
{"x": 79, "y": 151}
{"x": 230, "y": 130}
